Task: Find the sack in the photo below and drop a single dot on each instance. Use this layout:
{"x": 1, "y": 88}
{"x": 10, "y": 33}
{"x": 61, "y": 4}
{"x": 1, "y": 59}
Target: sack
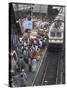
{"x": 25, "y": 35}
{"x": 37, "y": 57}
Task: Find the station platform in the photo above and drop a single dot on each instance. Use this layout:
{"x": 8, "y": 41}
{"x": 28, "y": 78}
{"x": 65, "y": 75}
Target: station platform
{"x": 33, "y": 78}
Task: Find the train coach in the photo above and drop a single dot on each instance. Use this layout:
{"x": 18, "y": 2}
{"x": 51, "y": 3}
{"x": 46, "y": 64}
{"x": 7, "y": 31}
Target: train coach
{"x": 56, "y": 31}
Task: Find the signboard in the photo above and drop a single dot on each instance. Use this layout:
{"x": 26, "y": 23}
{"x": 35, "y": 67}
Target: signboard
{"x": 27, "y": 24}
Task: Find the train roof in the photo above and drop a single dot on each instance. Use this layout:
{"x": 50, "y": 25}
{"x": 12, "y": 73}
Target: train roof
{"x": 61, "y": 14}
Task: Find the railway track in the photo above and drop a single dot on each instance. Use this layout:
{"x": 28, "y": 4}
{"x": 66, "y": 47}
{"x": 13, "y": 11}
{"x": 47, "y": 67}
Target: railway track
{"x": 52, "y": 73}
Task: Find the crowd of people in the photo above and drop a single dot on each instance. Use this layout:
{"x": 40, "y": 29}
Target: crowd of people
{"x": 27, "y": 51}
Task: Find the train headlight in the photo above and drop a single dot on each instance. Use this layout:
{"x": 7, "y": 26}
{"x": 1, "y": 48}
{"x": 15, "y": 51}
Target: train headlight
{"x": 58, "y": 40}
{"x": 49, "y": 40}
{"x": 61, "y": 41}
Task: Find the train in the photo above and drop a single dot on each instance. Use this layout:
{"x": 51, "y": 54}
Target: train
{"x": 56, "y": 30}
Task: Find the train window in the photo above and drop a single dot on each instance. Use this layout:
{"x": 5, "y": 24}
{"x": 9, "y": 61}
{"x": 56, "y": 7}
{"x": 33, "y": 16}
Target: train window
{"x": 53, "y": 34}
{"x": 58, "y": 34}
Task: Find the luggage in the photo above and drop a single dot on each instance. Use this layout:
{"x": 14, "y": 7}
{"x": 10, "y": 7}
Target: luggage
{"x": 26, "y": 35}
{"x": 37, "y": 55}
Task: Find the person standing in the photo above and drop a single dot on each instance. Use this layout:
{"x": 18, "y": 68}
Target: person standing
{"x": 46, "y": 39}
{"x": 29, "y": 58}
{"x": 23, "y": 78}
